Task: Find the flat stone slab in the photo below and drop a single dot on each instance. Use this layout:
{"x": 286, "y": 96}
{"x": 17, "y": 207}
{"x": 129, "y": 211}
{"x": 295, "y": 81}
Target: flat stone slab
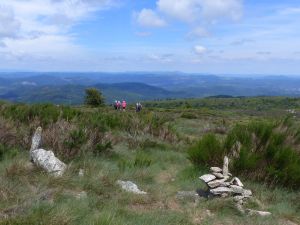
{"x": 252, "y": 212}
{"x": 220, "y": 190}
{"x": 219, "y": 175}
{"x": 207, "y": 178}
{"x": 216, "y": 169}
{"x": 217, "y": 183}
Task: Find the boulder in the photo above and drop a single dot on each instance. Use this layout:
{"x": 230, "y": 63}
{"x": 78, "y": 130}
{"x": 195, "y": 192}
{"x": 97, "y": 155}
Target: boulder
{"x": 207, "y": 178}
{"x": 130, "y": 187}
{"x": 215, "y": 170}
{"x": 47, "y": 161}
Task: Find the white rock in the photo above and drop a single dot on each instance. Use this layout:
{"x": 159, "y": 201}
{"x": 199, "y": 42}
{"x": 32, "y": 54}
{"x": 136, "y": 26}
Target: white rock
{"x": 215, "y": 169}
{"x": 237, "y": 181}
{"x": 236, "y": 189}
{"x": 247, "y": 193}
{"x": 220, "y": 190}
{"x": 130, "y": 187}
{"x": 81, "y": 173}
{"x": 225, "y": 166}
{"x": 207, "y": 178}
{"x": 36, "y": 141}
{"x": 238, "y": 198}
{"x": 253, "y": 212}
{"x": 219, "y": 175}
{"x": 48, "y": 161}
{"x": 216, "y": 183}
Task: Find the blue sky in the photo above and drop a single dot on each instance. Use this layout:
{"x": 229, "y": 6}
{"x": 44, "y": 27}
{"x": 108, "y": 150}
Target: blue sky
{"x": 200, "y": 36}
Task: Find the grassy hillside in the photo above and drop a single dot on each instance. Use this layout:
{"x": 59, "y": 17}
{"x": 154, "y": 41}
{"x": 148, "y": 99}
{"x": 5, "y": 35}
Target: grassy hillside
{"x": 152, "y": 149}
{"x": 74, "y": 94}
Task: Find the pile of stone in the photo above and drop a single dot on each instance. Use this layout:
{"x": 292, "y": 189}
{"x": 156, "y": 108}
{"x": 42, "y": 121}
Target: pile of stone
{"x": 221, "y": 184}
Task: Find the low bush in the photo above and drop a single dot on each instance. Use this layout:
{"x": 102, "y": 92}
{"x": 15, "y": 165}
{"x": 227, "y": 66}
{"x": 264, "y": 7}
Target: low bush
{"x": 262, "y": 151}
{"x": 207, "y": 151}
{"x": 6, "y": 152}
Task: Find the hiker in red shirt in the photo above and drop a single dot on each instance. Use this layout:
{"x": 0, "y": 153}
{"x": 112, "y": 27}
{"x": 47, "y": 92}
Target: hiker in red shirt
{"x": 124, "y": 104}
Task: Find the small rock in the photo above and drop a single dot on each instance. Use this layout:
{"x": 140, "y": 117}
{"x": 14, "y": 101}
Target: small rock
{"x": 253, "y": 212}
{"x": 81, "y": 173}
{"x": 236, "y": 189}
{"x": 130, "y": 187}
{"x": 215, "y": 170}
{"x": 247, "y": 193}
{"x": 219, "y": 175}
{"x": 207, "y": 178}
{"x": 237, "y": 181}
{"x": 238, "y": 198}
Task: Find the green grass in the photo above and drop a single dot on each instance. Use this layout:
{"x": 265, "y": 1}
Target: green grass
{"x": 147, "y": 148}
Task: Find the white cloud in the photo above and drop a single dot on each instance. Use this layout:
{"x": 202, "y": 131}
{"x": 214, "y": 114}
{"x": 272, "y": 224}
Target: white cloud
{"x": 9, "y": 26}
{"x": 149, "y": 18}
{"x": 180, "y": 9}
{"x": 199, "y": 10}
{"x": 200, "y": 50}
{"x": 41, "y": 29}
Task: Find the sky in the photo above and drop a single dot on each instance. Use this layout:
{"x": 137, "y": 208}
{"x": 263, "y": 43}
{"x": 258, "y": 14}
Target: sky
{"x": 240, "y": 37}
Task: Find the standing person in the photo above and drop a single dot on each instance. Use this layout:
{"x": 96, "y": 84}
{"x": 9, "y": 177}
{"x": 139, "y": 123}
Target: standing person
{"x": 124, "y": 104}
{"x": 119, "y": 105}
{"x": 138, "y": 107}
{"x": 116, "y": 105}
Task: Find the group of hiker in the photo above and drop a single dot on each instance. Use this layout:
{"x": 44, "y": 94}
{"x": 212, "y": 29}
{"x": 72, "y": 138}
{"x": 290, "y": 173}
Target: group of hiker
{"x": 118, "y": 105}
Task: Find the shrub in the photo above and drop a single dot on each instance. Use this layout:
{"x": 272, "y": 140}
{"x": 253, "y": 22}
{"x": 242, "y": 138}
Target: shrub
{"x": 207, "y": 151}
{"x": 102, "y": 148}
{"x": 93, "y": 97}
{"x": 77, "y": 138}
{"x": 6, "y": 152}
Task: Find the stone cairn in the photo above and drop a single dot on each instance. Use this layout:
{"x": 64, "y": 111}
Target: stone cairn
{"x": 221, "y": 184}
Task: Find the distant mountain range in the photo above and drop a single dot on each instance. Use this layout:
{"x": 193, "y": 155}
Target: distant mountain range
{"x": 68, "y": 88}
